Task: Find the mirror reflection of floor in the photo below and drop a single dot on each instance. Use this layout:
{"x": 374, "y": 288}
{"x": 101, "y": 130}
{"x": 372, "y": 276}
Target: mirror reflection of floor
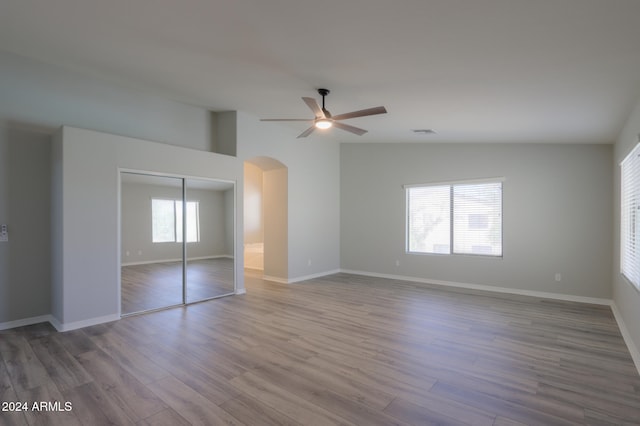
{"x": 157, "y": 285}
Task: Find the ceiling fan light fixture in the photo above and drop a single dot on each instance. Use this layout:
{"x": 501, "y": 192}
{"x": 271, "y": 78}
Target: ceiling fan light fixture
{"x": 323, "y": 123}
{"x": 323, "y": 119}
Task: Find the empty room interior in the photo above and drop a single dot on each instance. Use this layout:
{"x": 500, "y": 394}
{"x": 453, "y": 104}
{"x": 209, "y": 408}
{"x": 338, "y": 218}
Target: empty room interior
{"x": 308, "y": 213}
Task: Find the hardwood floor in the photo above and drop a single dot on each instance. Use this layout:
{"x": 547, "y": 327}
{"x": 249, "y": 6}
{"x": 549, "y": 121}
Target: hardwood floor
{"x": 343, "y": 349}
{"x": 158, "y": 285}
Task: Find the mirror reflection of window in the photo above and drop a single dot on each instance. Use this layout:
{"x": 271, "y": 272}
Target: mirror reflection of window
{"x": 166, "y": 218}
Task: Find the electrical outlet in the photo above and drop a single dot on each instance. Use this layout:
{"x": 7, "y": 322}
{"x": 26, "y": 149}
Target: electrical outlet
{"x": 4, "y": 233}
{"x": 558, "y": 277}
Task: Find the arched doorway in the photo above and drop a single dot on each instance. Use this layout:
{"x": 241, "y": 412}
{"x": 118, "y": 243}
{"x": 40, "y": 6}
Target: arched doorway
{"x": 266, "y": 218}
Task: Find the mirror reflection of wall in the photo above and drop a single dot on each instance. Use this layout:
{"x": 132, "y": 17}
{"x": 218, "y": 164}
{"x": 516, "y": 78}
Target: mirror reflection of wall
{"x": 155, "y": 225}
{"x": 210, "y": 260}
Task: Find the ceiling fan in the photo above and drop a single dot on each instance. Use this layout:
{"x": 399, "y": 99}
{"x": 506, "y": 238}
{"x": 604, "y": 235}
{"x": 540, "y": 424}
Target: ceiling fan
{"x": 324, "y": 120}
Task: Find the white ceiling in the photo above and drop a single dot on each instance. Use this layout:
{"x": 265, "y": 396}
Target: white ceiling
{"x": 473, "y": 70}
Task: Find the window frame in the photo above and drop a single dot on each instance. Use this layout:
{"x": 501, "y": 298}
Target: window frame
{"x": 630, "y": 217}
{"x": 451, "y": 185}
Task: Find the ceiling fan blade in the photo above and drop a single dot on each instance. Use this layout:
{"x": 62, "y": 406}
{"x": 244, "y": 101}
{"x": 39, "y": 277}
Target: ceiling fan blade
{"x": 361, "y": 113}
{"x": 306, "y": 132}
{"x": 317, "y": 111}
{"x": 286, "y": 119}
{"x": 358, "y": 131}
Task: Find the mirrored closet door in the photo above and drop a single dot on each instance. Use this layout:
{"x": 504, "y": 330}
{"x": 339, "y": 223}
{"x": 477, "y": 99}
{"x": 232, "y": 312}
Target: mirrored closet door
{"x": 177, "y": 241}
{"x": 210, "y": 239}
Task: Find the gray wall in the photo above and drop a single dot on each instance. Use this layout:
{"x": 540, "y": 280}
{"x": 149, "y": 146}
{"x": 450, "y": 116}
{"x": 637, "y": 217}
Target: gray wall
{"x": 25, "y": 264}
{"x": 136, "y": 228}
{"x": 34, "y": 94}
{"x": 625, "y": 295}
{"x": 57, "y": 217}
{"x": 556, "y": 205}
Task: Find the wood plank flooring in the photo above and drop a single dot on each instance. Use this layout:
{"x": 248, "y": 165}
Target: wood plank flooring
{"x": 343, "y": 349}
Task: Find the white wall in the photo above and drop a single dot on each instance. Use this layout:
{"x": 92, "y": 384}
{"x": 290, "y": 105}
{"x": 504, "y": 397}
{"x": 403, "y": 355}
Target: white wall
{"x": 556, "y": 207}
{"x": 625, "y": 296}
{"x": 276, "y": 223}
{"x": 90, "y": 171}
{"x": 253, "y": 210}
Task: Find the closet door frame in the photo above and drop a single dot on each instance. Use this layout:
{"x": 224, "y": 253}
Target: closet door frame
{"x": 184, "y": 179}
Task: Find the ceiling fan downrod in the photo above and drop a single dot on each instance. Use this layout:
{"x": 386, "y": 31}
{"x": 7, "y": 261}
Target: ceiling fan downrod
{"x": 323, "y": 93}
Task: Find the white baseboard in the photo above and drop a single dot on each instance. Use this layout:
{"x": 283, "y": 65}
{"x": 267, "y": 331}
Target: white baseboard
{"x": 275, "y": 279}
{"x": 633, "y": 350}
{"x": 241, "y": 291}
{"x": 540, "y": 294}
{"x": 68, "y": 326}
{"x": 312, "y": 276}
{"x": 25, "y": 321}
{"x": 57, "y": 324}
{"x": 301, "y": 278}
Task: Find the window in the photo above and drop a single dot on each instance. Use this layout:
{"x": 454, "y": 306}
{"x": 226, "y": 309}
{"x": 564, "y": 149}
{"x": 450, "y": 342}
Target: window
{"x": 629, "y": 227}
{"x": 459, "y": 218}
{"x": 166, "y": 218}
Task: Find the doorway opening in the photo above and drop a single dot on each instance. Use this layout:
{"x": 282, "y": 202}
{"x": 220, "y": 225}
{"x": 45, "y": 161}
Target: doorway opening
{"x": 266, "y": 246}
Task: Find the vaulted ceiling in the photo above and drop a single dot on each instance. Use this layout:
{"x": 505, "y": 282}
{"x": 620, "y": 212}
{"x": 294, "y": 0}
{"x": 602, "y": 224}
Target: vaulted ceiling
{"x": 555, "y": 71}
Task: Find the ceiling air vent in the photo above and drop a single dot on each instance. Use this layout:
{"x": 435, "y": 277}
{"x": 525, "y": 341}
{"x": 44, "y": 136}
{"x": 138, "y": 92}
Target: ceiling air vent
{"x": 424, "y": 131}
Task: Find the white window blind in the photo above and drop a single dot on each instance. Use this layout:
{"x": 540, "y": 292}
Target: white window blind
{"x": 477, "y": 223}
{"x": 459, "y": 218}
{"x": 629, "y": 227}
{"x": 429, "y": 222}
